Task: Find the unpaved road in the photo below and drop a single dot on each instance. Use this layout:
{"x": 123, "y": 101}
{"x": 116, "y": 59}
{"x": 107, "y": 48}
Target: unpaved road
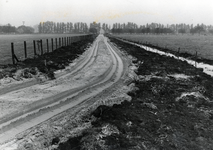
{"x": 29, "y": 105}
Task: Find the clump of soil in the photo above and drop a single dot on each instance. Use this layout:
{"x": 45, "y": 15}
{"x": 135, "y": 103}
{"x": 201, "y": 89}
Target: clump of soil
{"x": 172, "y": 109}
{"x": 48, "y": 62}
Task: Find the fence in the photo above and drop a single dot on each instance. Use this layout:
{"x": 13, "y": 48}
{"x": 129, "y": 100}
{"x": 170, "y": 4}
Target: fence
{"x": 40, "y": 47}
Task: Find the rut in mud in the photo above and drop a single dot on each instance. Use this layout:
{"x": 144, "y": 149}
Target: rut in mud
{"x": 74, "y": 92}
{"x": 171, "y": 109}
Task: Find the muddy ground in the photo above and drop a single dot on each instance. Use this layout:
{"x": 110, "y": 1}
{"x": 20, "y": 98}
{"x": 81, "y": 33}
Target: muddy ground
{"x": 172, "y": 109}
{"x": 48, "y": 62}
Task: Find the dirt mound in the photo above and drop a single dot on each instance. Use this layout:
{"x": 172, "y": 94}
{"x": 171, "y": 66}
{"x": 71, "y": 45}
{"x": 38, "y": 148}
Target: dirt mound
{"x": 172, "y": 109}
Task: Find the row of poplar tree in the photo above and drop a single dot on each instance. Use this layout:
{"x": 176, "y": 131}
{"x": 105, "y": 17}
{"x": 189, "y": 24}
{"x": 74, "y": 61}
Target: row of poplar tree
{"x": 61, "y": 27}
{"x": 160, "y": 28}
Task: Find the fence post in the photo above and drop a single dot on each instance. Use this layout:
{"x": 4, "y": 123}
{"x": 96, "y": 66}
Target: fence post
{"x": 56, "y": 43}
{"x": 25, "y": 49}
{"x": 52, "y": 44}
{"x": 12, "y": 50}
{"x": 59, "y": 42}
{"x": 65, "y": 41}
{"x": 47, "y": 46}
{"x": 41, "y": 47}
{"x": 34, "y": 45}
{"x": 196, "y": 59}
{"x": 62, "y": 41}
{"x": 69, "y": 40}
{"x": 178, "y": 51}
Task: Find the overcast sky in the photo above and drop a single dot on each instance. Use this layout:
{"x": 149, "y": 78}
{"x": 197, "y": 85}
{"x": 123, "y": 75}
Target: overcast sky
{"x": 108, "y": 11}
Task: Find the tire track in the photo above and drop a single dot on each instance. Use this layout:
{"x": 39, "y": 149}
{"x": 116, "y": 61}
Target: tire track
{"x": 82, "y": 63}
{"x": 67, "y": 99}
{"x": 85, "y": 62}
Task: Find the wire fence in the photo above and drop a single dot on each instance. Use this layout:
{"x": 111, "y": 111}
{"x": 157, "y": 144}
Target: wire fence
{"x": 21, "y": 51}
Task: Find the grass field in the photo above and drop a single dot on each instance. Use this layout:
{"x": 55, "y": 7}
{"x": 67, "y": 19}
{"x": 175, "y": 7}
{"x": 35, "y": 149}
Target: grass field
{"x": 18, "y": 40}
{"x": 187, "y": 43}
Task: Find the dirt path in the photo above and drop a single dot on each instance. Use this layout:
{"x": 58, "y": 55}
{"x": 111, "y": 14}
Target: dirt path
{"x": 31, "y": 105}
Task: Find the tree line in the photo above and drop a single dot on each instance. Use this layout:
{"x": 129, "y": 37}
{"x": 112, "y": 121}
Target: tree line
{"x": 9, "y": 29}
{"x": 61, "y": 27}
{"x": 69, "y": 27}
{"x": 80, "y": 27}
{"x": 156, "y": 28}
{"x": 53, "y": 27}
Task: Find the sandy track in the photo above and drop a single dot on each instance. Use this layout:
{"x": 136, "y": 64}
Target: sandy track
{"x": 98, "y": 71}
{"x": 83, "y": 61}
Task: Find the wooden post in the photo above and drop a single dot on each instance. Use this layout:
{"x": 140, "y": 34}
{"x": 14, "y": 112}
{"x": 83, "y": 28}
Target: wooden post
{"x": 56, "y": 43}
{"x": 34, "y": 45}
{"x": 59, "y": 42}
{"x": 25, "y": 49}
{"x": 47, "y": 46}
{"x": 196, "y": 59}
{"x": 12, "y": 51}
{"x": 62, "y": 41}
{"x": 68, "y": 40}
{"x": 178, "y": 52}
{"x": 65, "y": 41}
{"x": 41, "y": 47}
{"x": 52, "y": 44}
